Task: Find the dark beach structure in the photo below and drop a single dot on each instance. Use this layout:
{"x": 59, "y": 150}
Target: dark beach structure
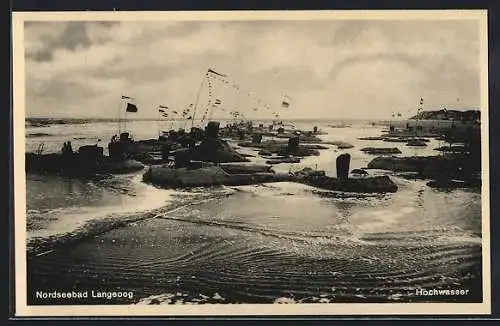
{"x": 459, "y": 161}
{"x": 88, "y": 160}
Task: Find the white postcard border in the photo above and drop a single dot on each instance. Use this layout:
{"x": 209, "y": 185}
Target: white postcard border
{"x": 22, "y": 309}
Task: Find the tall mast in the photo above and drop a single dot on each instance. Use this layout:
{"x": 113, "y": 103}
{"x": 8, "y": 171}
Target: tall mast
{"x": 186, "y": 117}
{"x": 125, "y": 122}
{"x": 420, "y": 108}
{"x": 211, "y": 112}
{"x": 197, "y": 99}
{"x": 158, "y": 122}
{"x": 119, "y": 115}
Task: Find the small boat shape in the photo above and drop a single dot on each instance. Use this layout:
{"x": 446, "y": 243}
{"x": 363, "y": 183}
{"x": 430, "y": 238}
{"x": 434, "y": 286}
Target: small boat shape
{"x": 397, "y": 139}
{"x": 280, "y": 160}
{"x": 372, "y": 138}
{"x": 341, "y": 125}
{"x": 381, "y": 151}
{"x": 416, "y": 142}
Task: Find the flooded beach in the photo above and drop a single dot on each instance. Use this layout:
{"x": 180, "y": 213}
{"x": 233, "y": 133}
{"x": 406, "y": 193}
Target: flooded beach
{"x": 243, "y": 245}
{"x": 252, "y": 158}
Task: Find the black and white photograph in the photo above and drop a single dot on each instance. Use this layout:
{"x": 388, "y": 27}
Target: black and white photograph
{"x": 251, "y": 162}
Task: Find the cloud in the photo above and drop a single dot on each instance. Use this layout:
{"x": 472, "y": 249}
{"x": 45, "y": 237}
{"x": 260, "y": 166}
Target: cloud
{"x": 43, "y": 42}
{"x": 332, "y": 69}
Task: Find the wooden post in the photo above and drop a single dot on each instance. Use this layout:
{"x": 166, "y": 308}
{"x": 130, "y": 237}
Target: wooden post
{"x": 343, "y": 162}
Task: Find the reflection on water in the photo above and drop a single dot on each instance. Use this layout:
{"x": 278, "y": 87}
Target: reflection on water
{"x": 50, "y": 192}
{"x": 61, "y": 205}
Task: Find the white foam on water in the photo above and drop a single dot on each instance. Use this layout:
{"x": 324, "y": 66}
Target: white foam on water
{"x": 460, "y": 239}
{"x": 69, "y": 219}
{"x": 379, "y": 220}
{"x": 180, "y": 298}
{"x": 285, "y": 300}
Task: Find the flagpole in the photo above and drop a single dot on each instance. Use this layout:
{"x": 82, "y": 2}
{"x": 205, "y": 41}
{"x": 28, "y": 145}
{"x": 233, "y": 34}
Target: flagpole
{"x": 211, "y": 111}
{"x": 158, "y": 123}
{"x": 212, "y": 108}
{"x": 119, "y": 115}
{"x": 172, "y": 123}
{"x": 186, "y": 115}
{"x": 197, "y": 99}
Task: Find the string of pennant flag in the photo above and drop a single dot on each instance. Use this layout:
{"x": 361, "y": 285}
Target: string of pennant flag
{"x": 419, "y": 109}
{"x": 213, "y": 76}
{"x": 213, "y": 103}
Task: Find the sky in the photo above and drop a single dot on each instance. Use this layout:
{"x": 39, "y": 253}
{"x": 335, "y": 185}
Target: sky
{"x": 329, "y": 69}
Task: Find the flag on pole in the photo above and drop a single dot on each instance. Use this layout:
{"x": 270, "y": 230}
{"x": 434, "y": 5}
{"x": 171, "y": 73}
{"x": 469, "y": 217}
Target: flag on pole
{"x": 216, "y": 73}
{"x": 131, "y": 107}
{"x": 126, "y": 97}
{"x": 285, "y": 102}
{"x": 421, "y": 104}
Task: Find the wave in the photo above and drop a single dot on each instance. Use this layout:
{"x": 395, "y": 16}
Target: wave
{"x": 100, "y": 221}
{"x": 187, "y": 253}
{"x": 234, "y": 273}
{"x": 185, "y": 207}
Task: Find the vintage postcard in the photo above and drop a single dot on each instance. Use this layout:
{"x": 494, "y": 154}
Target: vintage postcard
{"x": 251, "y": 163}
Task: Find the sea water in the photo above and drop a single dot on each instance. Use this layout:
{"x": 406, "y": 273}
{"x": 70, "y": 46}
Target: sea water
{"x": 278, "y": 242}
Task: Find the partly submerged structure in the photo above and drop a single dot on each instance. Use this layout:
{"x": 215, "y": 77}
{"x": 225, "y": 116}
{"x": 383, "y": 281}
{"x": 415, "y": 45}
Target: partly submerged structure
{"x": 202, "y": 174}
{"x": 87, "y": 160}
